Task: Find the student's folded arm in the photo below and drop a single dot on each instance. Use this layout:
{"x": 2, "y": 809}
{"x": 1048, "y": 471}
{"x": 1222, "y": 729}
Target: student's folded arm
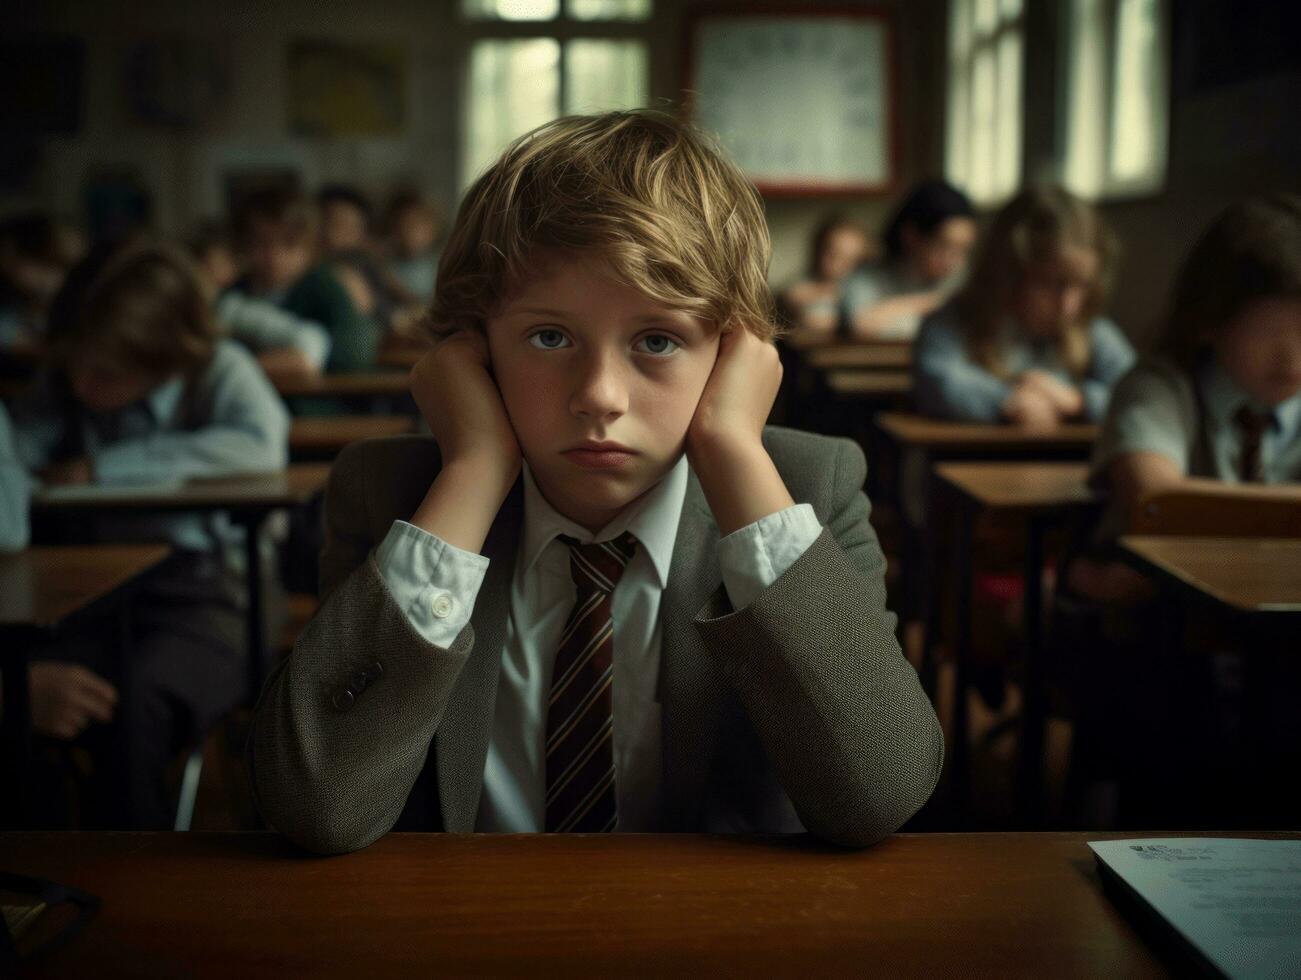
{"x": 334, "y": 754}
{"x": 247, "y": 431}
{"x": 264, "y": 326}
{"x": 947, "y": 385}
{"x": 814, "y": 660}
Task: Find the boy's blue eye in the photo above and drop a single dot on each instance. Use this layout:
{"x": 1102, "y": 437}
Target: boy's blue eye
{"x": 657, "y": 343}
{"x": 548, "y": 339}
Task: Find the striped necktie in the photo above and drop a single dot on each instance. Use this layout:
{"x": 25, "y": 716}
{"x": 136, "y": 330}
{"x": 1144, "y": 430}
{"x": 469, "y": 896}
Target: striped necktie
{"x": 1251, "y": 429}
{"x": 580, "y": 723}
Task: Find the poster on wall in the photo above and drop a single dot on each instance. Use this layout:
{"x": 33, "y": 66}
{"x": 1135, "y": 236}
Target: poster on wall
{"x": 804, "y": 101}
{"x": 342, "y": 89}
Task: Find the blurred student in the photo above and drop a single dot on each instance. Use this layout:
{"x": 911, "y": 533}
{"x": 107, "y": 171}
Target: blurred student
{"x": 813, "y": 304}
{"x": 275, "y": 230}
{"x": 282, "y": 342}
{"x": 15, "y": 491}
{"x": 1220, "y": 398}
{"x": 141, "y": 390}
{"x": 413, "y": 231}
{"x": 927, "y": 242}
{"x": 1024, "y": 341}
{"x": 36, "y": 252}
{"x": 348, "y": 246}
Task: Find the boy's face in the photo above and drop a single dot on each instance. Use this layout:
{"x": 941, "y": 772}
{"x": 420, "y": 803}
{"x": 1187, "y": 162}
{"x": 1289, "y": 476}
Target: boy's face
{"x": 276, "y": 257}
{"x": 103, "y": 385}
{"x": 937, "y": 256}
{"x": 1054, "y": 291}
{"x": 415, "y": 231}
{"x": 217, "y": 264}
{"x": 343, "y": 227}
{"x": 600, "y": 383}
{"x": 843, "y": 250}
{"x": 1261, "y": 349}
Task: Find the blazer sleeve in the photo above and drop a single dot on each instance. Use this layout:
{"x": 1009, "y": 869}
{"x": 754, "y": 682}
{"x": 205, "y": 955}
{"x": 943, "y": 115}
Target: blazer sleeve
{"x": 345, "y": 722}
{"x": 814, "y": 660}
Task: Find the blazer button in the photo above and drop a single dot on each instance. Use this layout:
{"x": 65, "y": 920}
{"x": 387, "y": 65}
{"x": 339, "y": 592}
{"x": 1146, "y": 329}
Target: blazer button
{"x": 344, "y": 699}
{"x": 360, "y": 680}
{"x": 376, "y": 670}
{"x": 442, "y": 605}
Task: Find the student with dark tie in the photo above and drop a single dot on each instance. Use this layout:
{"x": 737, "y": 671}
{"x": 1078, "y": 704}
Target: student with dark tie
{"x": 605, "y": 596}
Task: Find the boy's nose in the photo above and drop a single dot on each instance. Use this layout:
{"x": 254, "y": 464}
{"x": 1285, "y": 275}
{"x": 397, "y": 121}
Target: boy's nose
{"x": 600, "y": 391}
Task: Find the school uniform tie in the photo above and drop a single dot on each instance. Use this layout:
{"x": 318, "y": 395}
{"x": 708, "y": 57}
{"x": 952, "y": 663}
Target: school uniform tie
{"x": 1251, "y": 430}
{"x": 580, "y": 723}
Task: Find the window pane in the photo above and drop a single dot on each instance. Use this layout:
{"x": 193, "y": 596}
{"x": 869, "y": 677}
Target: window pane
{"x": 514, "y": 87}
{"x": 1086, "y": 91}
{"x": 1136, "y": 95}
{"x": 1010, "y": 9}
{"x": 511, "y": 9}
{"x": 986, "y": 17}
{"x": 960, "y": 32}
{"x": 602, "y": 75}
{"x": 608, "y": 9}
{"x": 958, "y": 128}
{"x": 1008, "y": 124}
{"x": 984, "y": 95}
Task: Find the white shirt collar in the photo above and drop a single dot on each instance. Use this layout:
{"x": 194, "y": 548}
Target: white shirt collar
{"x": 653, "y": 520}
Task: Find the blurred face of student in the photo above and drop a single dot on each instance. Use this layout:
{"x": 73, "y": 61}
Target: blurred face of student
{"x": 937, "y": 256}
{"x": 1055, "y": 290}
{"x": 277, "y": 257}
{"x": 102, "y": 384}
{"x": 841, "y": 253}
{"x": 1261, "y": 349}
{"x": 600, "y": 383}
{"x": 218, "y": 267}
{"x": 343, "y": 227}
{"x": 414, "y": 231}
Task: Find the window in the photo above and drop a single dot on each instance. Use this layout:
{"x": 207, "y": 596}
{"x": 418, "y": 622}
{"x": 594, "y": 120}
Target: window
{"x": 588, "y": 56}
{"x": 1115, "y": 138}
{"x": 984, "y": 138}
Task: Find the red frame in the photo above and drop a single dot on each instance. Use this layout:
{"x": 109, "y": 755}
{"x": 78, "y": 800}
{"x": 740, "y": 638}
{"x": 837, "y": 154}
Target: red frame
{"x": 795, "y": 189}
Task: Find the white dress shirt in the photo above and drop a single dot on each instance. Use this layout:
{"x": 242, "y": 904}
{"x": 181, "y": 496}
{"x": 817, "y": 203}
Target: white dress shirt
{"x": 436, "y": 584}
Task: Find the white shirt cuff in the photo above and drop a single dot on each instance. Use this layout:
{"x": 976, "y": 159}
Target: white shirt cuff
{"x": 434, "y": 583}
{"x": 757, "y": 555}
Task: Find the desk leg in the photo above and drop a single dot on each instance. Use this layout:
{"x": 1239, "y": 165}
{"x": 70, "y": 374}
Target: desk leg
{"x": 256, "y": 613}
{"x": 16, "y": 728}
{"x": 961, "y": 769}
{"x": 1033, "y": 710}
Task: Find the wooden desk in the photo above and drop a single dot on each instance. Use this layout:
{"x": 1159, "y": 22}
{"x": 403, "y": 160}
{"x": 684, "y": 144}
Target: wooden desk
{"x": 1039, "y": 495}
{"x": 1259, "y": 577}
{"x": 372, "y": 384}
{"x": 40, "y": 589}
{"x": 870, "y": 355}
{"x": 875, "y": 385}
{"x": 939, "y": 436}
{"x": 325, "y": 438}
{"x": 248, "y": 905}
{"x": 249, "y": 500}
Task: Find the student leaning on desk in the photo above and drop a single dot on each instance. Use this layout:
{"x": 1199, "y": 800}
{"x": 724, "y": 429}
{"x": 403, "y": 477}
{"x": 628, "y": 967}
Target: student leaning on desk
{"x": 607, "y": 597}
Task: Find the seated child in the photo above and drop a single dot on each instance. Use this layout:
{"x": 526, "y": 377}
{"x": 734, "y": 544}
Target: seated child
{"x": 275, "y": 230}
{"x": 413, "y": 229}
{"x": 812, "y": 305}
{"x": 140, "y": 390}
{"x": 1024, "y": 341}
{"x": 603, "y": 596}
{"x": 282, "y": 342}
{"x": 927, "y": 242}
{"x": 346, "y": 243}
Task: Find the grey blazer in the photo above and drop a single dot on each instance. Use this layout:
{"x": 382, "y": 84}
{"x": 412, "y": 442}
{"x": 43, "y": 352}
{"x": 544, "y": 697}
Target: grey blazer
{"x": 802, "y": 698}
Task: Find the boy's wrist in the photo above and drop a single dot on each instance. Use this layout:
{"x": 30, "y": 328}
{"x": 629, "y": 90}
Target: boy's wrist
{"x": 740, "y": 482}
{"x": 463, "y": 501}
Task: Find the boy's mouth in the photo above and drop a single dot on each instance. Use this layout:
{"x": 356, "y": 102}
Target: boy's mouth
{"x": 599, "y": 455}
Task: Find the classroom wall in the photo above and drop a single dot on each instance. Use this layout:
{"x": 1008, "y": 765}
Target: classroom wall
{"x": 185, "y": 167}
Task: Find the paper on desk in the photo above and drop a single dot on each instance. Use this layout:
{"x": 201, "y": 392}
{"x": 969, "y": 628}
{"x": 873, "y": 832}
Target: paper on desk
{"x": 100, "y": 491}
{"x": 1238, "y": 901}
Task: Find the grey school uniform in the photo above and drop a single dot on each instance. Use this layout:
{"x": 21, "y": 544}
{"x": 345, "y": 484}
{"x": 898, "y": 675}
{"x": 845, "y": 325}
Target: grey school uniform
{"x": 950, "y": 384}
{"x": 185, "y": 666}
{"x": 1187, "y": 416}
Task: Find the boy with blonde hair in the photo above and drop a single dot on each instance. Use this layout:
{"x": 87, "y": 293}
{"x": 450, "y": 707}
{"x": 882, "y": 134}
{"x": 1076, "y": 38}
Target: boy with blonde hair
{"x": 591, "y": 602}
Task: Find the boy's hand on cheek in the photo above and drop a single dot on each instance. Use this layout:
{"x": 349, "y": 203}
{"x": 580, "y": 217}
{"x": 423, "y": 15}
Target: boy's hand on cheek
{"x": 725, "y": 438}
{"x": 481, "y": 456}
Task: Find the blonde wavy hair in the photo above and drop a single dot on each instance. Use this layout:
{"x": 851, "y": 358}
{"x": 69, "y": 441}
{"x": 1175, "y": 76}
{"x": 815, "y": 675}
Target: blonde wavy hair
{"x": 1035, "y": 226}
{"x": 652, "y": 196}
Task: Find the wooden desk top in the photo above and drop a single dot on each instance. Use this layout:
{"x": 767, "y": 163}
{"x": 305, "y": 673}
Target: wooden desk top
{"x": 376, "y": 383}
{"x": 869, "y": 384}
{"x": 1020, "y": 486}
{"x": 1253, "y": 575}
{"x": 45, "y": 585}
{"x": 332, "y": 434}
{"x": 291, "y": 487}
{"x": 241, "y": 905}
{"x": 917, "y": 431}
{"x": 874, "y": 355}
